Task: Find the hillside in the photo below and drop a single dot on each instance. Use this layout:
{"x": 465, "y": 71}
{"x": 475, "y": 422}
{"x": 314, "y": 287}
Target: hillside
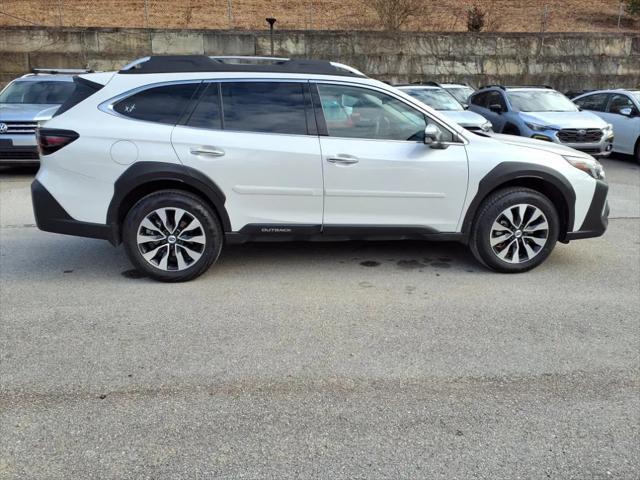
{"x": 502, "y": 15}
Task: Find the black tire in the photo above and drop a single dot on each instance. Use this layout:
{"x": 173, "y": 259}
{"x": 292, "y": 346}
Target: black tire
{"x": 199, "y": 213}
{"x": 636, "y": 154}
{"x": 490, "y": 211}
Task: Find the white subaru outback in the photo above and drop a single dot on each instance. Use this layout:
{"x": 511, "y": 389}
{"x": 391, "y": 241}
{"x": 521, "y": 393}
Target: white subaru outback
{"x": 175, "y": 156}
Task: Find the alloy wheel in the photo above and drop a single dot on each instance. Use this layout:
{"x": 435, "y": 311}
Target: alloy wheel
{"x": 519, "y": 233}
{"x": 171, "y": 239}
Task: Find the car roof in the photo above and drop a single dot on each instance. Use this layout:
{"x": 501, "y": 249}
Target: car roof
{"x": 419, "y": 87}
{"x": 32, "y": 77}
{"x": 610, "y": 90}
{"x": 461, "y": 85}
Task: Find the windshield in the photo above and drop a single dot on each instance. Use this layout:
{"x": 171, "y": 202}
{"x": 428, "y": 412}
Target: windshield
{"x": 43, "y": 93}
{"x": 435, "y": 98}
{"x": 636, "y": 94}
{"x": 540, "y": 101}
{"x": 462, "y": 94}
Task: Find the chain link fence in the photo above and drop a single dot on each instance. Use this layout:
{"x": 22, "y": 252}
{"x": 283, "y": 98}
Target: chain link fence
{"x": 428, "y": 15}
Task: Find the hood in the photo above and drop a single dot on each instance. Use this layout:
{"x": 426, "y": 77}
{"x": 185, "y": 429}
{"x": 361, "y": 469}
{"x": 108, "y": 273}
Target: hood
{"x": 25, "y": 112}
{"x": 537, "y": 144}
{"x": 465, "y": 118}
{"x": 564, "y": 119}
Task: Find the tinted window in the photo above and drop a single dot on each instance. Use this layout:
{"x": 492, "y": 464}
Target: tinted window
{"x": 480, "y": 99}
{"x": 596, "y": 102}
{"x": 618, "y": 102}
{"x": 41, "y": 93}
{"x": 362, "y": 113}
{"x": 264, "y": 107}
{"x": 495, "y": 98}
{"x": 160, "y": 104}
{"x": 207, "y": 112}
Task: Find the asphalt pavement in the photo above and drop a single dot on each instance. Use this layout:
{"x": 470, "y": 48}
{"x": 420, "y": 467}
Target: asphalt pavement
{"x": 323, "y": 360}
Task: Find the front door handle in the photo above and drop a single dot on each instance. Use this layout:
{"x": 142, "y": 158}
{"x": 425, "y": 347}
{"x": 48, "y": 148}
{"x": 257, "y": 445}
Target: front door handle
{"x": 343, "y": 160}
{"x": 207, "y": 151}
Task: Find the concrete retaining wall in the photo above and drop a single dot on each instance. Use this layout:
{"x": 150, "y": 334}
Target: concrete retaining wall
{"x": 565, "y": 61}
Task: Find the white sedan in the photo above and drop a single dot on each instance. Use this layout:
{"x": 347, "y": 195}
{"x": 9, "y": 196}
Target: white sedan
{"x": 621, "y": 108}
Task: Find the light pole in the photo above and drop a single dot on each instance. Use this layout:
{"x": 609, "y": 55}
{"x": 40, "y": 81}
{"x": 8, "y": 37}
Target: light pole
{"x": 271, "y": 21}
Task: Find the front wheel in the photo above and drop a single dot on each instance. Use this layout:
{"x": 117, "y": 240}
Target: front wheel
{"x": 172, "y": 236}
{"x": 515, "y": 230}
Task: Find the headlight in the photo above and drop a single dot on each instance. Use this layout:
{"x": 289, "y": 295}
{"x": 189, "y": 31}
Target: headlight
{"x": 539, "y": 128}
{"x": 609, "y": 127}
{"x": 486, "y": 126}
{"x": 587, "y": 165}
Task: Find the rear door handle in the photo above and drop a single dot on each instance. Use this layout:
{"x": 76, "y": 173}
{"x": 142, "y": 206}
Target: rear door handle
{"x": 207, "y": 151}
{"x": 343, "y": 160}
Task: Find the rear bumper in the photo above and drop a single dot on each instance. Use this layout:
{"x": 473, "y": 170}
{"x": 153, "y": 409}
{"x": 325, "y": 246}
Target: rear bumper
{"x": 597, "y": 219}
{"x": 51, "y": 217}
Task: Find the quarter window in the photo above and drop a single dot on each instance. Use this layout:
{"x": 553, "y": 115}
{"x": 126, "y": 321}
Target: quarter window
{"x": 270, "y": 107}
{"x": 596, "y": 102}
{"x": 354, "y": 112}
{"x": 164, "y": 104}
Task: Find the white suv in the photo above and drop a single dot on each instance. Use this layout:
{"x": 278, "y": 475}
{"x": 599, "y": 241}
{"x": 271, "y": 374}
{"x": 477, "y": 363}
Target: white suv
{"x": 176, "y": 156}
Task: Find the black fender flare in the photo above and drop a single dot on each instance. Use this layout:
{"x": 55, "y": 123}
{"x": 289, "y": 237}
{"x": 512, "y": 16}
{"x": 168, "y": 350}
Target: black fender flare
{"x": 508, "y": 172}
{"x": 145, "y": 173}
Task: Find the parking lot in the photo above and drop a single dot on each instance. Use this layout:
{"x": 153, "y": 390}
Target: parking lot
{"x": 325, "y": 360}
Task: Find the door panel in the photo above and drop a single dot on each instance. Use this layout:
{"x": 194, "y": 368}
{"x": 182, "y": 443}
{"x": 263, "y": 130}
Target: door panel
{"x": 251, "y": 138}
{"x": 377, "y": 169}
{"x": 393, "y": 183}
{"x": 267, "y": 179}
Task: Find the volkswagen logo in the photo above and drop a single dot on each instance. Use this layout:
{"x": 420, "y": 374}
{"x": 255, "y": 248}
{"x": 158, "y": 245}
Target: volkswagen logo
{"x": 582, "y": 133}
{"x": 3, "y": 127}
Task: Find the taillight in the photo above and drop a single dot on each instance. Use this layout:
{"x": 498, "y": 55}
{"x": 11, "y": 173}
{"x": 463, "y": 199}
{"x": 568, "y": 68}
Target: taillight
{"x": 51, "y": 139}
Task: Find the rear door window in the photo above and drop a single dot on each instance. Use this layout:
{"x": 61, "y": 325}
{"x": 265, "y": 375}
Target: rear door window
{"x": 596, "y": 102}
{"x": 267, "y": 107}
{"x": 164, "y": 104}
{"x": 207, "y": 113}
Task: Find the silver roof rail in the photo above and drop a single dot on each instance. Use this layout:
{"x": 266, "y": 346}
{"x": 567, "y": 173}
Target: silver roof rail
{"x": 61, "y": 71}
{"x": 347, "y": 68}
{"x": 251, "y": 58}
{"x": 136, "y": 62}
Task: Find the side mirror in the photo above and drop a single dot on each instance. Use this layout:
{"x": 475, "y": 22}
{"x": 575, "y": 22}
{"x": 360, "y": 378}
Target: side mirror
{"x": 626, "y": 111}
{"x": 495, "y": 108}
{"x": 465, "y": 106}
{"x": 433, "y": 137}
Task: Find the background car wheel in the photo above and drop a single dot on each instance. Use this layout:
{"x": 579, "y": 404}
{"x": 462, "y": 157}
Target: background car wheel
{"x": 515, "y": 230}
{"x": 636, "y": 155}
{"x": 172, "y": 236}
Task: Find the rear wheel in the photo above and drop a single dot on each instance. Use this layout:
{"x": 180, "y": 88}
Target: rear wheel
{"x": 172, "y": 236}
{"x": 636, "y": 154}
{"x": 515, "y": 230}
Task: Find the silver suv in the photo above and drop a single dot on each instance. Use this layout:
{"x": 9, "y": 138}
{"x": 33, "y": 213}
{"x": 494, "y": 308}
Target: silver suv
{"x": 24, "y": 103}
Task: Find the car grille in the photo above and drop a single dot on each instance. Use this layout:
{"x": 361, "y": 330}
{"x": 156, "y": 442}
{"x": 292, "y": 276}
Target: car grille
{"x": 20, "y": 127}
{"x": 579, "y": 135}
{"x": 19, "y": 153}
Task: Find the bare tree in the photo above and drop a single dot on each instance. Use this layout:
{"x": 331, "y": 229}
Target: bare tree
{"x": 393, "y": 14}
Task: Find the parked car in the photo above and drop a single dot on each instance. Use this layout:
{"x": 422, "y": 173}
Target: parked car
{"x": 26, "y": 102}
{"x": 461, "y": 91}
{"x": 544, "y": 114}
{"x": 176, "y": 156}
{"x": 621, "y": 108}
{"x": 439, "y": 99}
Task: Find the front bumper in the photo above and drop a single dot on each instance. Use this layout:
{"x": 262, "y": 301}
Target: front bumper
{"x": 52, "y": 217}
{"x": 18, "y": 149}
{"x": 597, "y": 219}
